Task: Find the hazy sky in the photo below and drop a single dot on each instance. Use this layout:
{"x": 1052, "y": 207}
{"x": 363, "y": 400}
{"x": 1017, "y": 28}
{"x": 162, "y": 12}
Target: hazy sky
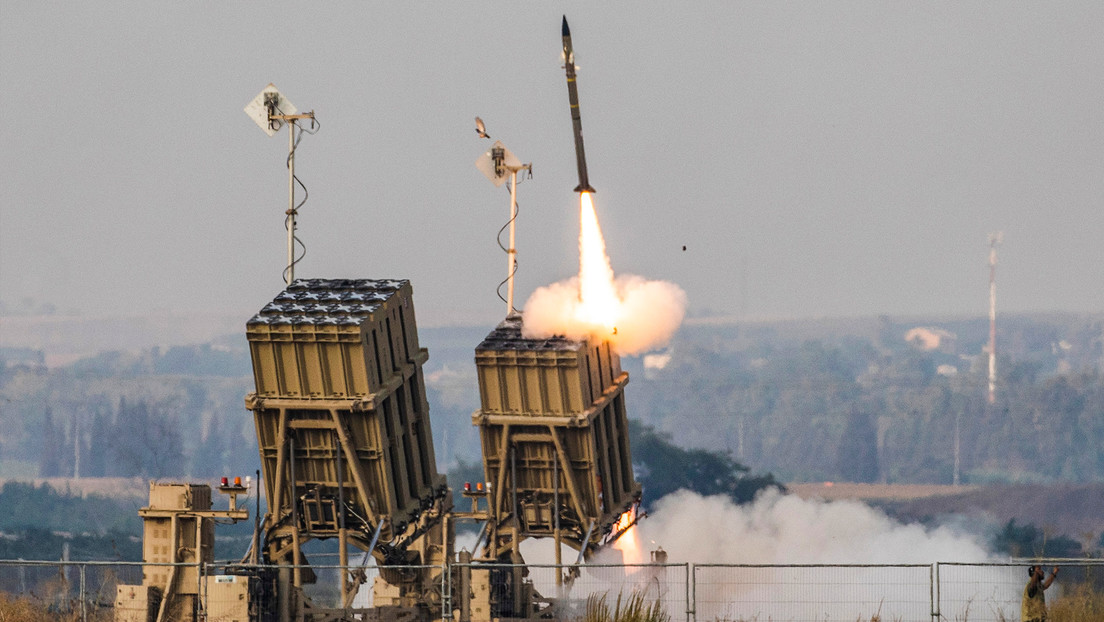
{"x": 815, "y": 159}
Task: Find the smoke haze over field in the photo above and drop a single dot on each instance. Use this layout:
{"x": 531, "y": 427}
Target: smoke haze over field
{"x": 784, "y": 558}
{"x": 784, "y": 529}
{"x": 852, "y": 538}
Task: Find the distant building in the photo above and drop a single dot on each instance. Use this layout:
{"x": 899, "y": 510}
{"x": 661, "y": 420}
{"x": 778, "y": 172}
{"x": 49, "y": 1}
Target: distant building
{"x": 929, "y": 338}
{"x": 653, "y": 363}
{"x": 946, "y": 370}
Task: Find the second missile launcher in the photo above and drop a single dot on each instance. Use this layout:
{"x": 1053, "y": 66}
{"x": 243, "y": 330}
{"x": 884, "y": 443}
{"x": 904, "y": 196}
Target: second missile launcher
{"x": 555, "y": 438}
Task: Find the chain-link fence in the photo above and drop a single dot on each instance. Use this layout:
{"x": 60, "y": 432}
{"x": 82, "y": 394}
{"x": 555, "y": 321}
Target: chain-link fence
{"x": 812, "y": 592}
{"x": 565, "y": 592}
{"x": 974, "y": 592}
{"x": 68, "y": 590}
{"x": 993, "y": 592}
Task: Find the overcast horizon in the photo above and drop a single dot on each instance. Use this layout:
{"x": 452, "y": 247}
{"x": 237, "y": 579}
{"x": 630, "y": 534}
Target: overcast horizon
{"x": 815, "y": 160}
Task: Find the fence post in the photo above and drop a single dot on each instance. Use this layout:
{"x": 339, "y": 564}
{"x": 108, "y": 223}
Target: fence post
{"x": 934, "y": 574}
{"x": 446, "y": 590}
{"x": 84, "y": 612}
{"x": 691, "y": 592}
{"x": 201, "y": 585}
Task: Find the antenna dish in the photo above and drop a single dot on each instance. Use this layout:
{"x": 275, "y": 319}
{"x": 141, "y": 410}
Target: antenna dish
{"x": 267, "y": 103}
{"x": 497, "y": 163}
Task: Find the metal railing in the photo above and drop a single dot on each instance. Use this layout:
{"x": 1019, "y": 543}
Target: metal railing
{"x": 686, "y": 592}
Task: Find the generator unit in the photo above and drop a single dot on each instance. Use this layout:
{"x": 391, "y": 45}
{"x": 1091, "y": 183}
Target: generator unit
{"x": 178, "y": 534}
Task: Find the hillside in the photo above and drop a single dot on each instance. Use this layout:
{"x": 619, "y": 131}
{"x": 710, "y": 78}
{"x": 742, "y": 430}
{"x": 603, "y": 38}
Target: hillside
{"x": 897, "y": 400}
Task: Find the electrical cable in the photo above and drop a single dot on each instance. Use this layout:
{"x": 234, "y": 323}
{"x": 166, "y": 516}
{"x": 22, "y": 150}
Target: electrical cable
{"x": 514, "y": 269}
{"x": 298, "y": 130}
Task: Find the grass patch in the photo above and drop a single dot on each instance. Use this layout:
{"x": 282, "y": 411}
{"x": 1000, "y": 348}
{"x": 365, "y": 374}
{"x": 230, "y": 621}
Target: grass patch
{"x": 1079, "y": 603}
{"x": 22, "y": 609}
{"x": 635, "y": 608}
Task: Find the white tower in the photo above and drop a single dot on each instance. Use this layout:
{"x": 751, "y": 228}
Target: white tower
{"x": 994, "y": 240}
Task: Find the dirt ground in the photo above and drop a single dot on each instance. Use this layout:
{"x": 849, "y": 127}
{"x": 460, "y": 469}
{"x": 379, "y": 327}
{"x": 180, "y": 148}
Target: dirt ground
{"x": 897, "y": 492}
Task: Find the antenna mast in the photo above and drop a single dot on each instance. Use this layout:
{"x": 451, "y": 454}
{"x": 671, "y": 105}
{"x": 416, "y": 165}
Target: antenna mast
{"x": 498, "y": 163}
{"x": 994, "y": 240}
{"x": 271, "y": 111}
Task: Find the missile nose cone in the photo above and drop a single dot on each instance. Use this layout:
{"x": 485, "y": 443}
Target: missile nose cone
{"x": 565, "y": 31}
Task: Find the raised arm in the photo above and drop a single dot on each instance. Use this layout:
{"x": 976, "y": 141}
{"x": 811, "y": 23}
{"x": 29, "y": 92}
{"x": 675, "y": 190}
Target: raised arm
{"x": 1050, "y": 579}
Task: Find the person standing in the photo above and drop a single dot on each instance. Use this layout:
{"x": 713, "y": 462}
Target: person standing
{"x": 1033, "y": 608}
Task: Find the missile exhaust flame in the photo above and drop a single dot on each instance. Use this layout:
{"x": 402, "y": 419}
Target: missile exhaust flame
{"x": 634, "y": 314}
{"x": 598, "y": 303}
{"x": 628, "y": 542}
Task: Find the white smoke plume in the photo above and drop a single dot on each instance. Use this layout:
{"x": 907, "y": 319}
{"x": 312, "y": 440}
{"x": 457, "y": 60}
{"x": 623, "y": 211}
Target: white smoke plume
{"x": 634, "y": 314}
{"x": 786, "y": 529}
{"x": 650, "y": 313}
{"x": 786, "y": 558}
{"x": 842, "y": 545}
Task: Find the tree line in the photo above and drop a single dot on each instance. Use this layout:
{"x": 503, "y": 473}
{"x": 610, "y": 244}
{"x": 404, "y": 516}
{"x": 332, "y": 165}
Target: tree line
{"x": 159, "y": 413}
{"x": 140, "y": 439}
{"x": 874, "y": 409}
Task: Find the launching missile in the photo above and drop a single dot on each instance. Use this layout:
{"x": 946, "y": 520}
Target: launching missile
{"x": 573, "y": 99}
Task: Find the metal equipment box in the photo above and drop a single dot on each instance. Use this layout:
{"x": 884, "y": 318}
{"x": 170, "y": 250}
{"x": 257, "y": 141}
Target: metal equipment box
{"x": 136, "y": 603}
{"x": 554, "y": 433}
{"x": 169, "y": 496}
{"x": 227, "y": 598}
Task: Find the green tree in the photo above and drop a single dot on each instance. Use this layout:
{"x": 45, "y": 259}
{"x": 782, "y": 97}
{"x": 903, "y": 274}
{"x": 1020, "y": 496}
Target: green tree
{"x": 857, "y": 459}
{"x": 147, "y": 443}
{"x": 1030, "y": 541}
{"x": 209, "y": 457}
{"x": 664, "y": 468}
{"x": 99, "y": 443}
{"x": 52, "y": 439}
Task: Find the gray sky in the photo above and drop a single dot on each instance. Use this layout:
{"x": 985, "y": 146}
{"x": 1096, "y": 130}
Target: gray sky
{"x": 816, "y": 159}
